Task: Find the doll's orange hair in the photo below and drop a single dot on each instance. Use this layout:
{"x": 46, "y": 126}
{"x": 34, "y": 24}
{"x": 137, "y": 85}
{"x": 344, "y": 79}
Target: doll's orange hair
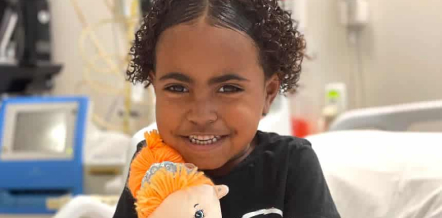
{"x": 163, "y": 183}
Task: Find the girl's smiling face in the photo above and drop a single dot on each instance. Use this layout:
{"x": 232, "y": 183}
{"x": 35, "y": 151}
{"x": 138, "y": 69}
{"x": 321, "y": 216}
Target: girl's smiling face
{"x": 211, "y": 92}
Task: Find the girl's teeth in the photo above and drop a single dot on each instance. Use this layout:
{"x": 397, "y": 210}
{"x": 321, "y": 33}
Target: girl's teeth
{"x": 204, "y": 140}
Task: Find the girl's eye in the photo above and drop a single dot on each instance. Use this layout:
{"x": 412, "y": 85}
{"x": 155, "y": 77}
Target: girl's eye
{"x": 199, "y": 214}
{"x": 177, "y": 88}
{"x": 229, "y": 89}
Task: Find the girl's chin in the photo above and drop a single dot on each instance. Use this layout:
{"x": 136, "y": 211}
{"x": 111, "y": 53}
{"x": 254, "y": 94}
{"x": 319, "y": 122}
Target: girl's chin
{"x": 205, "y": 165}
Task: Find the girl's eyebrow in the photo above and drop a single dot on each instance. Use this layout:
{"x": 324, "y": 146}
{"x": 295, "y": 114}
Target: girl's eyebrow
{"x": 227, "y": 77}
{"x": 177, "y": 76}
{"x": 215, "y": 80}
{"x": 196, "y": 205}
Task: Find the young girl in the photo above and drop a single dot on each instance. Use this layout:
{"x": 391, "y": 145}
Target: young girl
{"x": 216, "y": 66}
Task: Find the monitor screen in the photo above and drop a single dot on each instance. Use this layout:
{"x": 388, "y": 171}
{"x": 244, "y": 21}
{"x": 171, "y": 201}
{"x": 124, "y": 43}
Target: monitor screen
{"x": 41, "y": 131}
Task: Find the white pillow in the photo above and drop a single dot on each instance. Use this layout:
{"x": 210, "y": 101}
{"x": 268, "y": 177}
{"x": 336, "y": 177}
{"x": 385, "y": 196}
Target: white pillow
{"x": 383, "y": 174}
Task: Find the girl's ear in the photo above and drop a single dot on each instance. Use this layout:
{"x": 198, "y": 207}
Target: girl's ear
{"x": 221, "y": 190}
{"x": 152, "y": 76}
{"x": 272, "y": 87}
{"x": 152, "y": 79}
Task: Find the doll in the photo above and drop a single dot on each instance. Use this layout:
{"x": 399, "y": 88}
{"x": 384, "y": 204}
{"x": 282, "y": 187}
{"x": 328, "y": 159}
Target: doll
{"x": 163, "y": 185}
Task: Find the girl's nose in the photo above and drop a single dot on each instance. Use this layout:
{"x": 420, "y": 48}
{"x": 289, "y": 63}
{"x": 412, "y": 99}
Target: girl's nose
{"x": 202, "y": 113}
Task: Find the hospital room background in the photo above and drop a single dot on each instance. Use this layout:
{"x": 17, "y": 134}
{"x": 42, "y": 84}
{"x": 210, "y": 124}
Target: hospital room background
{"x": 369, "y": 100}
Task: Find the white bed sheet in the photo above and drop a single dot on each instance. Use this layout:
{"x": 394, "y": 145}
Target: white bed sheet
{"x": 376, "y": 174}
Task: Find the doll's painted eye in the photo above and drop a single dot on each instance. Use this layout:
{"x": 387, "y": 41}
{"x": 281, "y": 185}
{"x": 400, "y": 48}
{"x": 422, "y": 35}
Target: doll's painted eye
{"x": 199, "y": 214}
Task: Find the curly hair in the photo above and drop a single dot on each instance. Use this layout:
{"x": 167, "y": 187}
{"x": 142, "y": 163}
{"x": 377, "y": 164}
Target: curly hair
{"x": 281, "y": 46}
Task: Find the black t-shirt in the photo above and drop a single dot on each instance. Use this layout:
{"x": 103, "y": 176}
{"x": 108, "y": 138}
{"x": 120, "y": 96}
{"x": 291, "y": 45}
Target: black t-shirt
{"x": 282, "y": 177}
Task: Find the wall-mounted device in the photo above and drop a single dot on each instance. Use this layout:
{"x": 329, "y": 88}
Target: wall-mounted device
{"x": 25, "y": 47}
{"x": 335, "y": 103}
{"x": 336, "y": 96}
{"x": 26, "y": 29}
{"x": 354, "y": 13}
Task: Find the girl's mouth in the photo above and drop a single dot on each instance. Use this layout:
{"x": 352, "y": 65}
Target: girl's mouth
{"x": 204, "y": 139}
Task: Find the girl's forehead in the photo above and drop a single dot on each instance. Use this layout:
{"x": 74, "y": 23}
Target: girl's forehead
{"x": 209, "y": 33}
{"x": 204, "y": 50}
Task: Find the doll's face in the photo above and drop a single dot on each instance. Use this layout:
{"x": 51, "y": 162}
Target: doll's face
{"x": 211, "y": 92}
{"x": 194, "y": 202}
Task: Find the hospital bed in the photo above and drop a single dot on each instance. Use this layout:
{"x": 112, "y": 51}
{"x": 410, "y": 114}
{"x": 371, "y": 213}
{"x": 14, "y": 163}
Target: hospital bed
{"x": 375, "y": 168}
{"x": 386, "y": 173}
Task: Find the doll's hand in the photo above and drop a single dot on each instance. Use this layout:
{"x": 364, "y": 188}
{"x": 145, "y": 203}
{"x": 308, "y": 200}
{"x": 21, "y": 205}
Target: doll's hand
{"x": 198, "y": 202}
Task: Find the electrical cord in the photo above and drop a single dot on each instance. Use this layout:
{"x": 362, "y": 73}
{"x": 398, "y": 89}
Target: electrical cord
{"x": 114, "y": 68}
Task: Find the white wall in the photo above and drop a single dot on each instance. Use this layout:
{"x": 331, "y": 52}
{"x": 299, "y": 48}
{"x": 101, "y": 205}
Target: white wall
{"x": 400, "y": 49}
{"x": 402, "y": 52}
